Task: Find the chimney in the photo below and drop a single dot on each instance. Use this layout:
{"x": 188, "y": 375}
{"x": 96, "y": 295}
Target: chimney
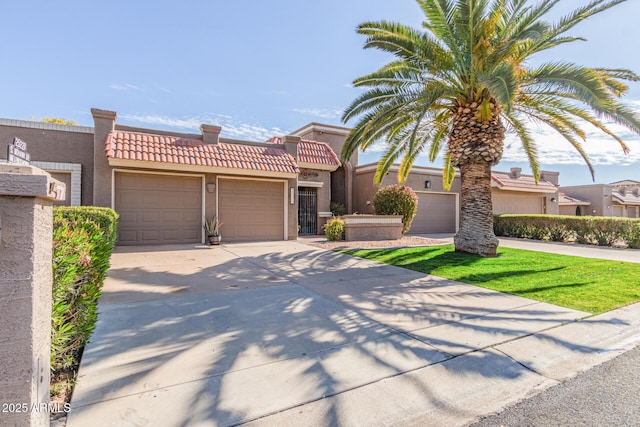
{"x": 515, "y": 172}
{"x": 552, "y": 177}
{"x": 210, "y": 134}
{"x": 104, "y": 119}
{"x": 104, "y": 123}
{"x": 290, "y": 143}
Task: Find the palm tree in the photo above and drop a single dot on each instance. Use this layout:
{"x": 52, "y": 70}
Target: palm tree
{"x": 464, "y": 80}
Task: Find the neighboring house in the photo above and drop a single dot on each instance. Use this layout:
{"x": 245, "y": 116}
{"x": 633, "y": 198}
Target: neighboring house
{"x": 574, "y": 206}
{"x": 439, "y": 209}
{"x": 618, "y": 199}
{"x": 163, "y": 183}
{"x": 515, "y": 193}
{"x": 626, "y": 198}
{"x": 64, "y": 151}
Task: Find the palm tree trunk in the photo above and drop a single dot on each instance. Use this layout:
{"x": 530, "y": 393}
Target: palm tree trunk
{"x": 476, "y": 215}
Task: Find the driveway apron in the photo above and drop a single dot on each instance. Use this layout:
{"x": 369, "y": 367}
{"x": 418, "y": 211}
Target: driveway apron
{"x": 282, "y": 333}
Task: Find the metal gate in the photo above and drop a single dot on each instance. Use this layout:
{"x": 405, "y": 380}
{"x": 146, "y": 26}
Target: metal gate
{"x": 307, "y": 211}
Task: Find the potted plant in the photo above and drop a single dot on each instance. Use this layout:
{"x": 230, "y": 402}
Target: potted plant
{"x": 212, "y": 229}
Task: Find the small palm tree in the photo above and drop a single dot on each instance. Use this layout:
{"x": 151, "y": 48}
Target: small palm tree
{"x": 465, "y": 80}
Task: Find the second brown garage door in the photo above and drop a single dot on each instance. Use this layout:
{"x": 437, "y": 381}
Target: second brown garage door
{"x": 158, "y": 209}
{"x": 436, "y": 214}
{"x": 509, "y": 202}
{"x": 251, "y": 210}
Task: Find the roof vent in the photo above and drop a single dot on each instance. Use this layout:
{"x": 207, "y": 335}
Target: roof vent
{"x": 515, "y": 172}
{"x": 210, "y": 134}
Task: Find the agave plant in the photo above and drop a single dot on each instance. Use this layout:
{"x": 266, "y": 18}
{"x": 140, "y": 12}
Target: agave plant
{"x": 212, "y": 226}
{"x": 461, "y": 82}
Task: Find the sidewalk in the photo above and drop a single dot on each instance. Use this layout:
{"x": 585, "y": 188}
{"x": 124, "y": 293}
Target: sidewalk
{"x": 282, "y": 333}
{"x": 573, "y": 249}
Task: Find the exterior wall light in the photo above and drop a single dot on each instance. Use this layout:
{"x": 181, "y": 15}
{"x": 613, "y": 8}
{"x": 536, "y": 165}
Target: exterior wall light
{"x": 211, "y": 187}
{"x": 427, "y": 184}
{"x": 553, "y": 200}
{"x": 293, "y": 195}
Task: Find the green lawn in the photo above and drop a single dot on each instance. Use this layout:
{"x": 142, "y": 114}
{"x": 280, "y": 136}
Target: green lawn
{"x": 590, "y": 285}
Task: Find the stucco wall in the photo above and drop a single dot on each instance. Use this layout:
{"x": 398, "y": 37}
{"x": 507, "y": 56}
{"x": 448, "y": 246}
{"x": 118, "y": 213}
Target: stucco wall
{"x": 343, "y": 183}
{"x": 598, "y": 194}
{"x": 50, "y": 145}
{"x": 365, "y": 189}
{"x": 25, "y": 301}
{"x": 292, "y": 221}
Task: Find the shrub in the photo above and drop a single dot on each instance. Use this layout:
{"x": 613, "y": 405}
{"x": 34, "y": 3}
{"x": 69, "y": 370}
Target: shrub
{"x": 603, "y": 231}
{"x": 337, "y": 209}
{"x": 83, "y": 239}
{"x": 334, "y": 229}
{"x": 632, "y": 235}
{"x": 397, "y": 200}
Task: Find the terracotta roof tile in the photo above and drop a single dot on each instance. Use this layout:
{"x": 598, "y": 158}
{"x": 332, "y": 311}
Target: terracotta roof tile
{"x": 313, "y": 152}
{"x": 524, "y": 182}
{"x": 173, "y": 149}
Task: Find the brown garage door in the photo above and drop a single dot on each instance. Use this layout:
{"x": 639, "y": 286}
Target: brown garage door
{"x": 514, "y": 203}
{"x": 251, "y": 210}
{"x": 436, "y": 214}
{"x": 158, "y": 209}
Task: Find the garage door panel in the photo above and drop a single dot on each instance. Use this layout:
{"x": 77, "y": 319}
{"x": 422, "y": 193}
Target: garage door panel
{"x": 251, "y": 210}
{"x": 513, "y": 203}
{"x": 436, "y": 214}
{"x": 127, "y": 236}
{"x": 156, "y": 209}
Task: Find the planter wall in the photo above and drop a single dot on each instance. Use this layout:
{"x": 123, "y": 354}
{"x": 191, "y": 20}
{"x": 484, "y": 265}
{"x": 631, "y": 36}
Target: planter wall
{"x": 372, "y": 227}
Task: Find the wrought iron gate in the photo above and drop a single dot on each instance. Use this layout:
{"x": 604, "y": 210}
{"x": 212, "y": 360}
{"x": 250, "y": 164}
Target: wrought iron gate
{"x": 307, "y": 211}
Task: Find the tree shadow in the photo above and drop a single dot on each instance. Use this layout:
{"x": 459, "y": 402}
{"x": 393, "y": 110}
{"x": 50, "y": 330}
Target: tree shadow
{"x": 235, "y": 338}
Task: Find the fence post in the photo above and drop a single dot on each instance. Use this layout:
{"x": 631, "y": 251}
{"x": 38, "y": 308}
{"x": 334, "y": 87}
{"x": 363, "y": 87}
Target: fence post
{"x": 26, "y": 224}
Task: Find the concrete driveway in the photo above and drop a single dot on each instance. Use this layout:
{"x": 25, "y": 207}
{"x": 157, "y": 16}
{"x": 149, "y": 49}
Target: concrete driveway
{"x": 282, "y": 333}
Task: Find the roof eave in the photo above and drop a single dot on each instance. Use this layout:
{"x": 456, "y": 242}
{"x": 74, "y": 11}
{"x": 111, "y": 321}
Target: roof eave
{"x": 527, "y": 190}
{"x": 141, "y": 164}
{"x": 318, "y": 166}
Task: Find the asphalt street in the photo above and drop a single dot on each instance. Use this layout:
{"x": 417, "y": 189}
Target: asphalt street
{"x": 607, "y": 395}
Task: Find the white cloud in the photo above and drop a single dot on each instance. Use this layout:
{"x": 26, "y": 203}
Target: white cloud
{"x": 126, "y": 86}
{"x": 325, "y": 113}
{"x": 600, "y": 148}
{"x": 231, "y": 127}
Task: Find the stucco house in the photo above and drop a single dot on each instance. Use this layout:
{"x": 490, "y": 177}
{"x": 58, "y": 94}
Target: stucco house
{"x": 618, "y": 199}
{"x": 163, "y": 184}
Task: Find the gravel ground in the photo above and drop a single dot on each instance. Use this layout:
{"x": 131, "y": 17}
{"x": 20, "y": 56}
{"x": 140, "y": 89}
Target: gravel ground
{"x": 406, "y": 241}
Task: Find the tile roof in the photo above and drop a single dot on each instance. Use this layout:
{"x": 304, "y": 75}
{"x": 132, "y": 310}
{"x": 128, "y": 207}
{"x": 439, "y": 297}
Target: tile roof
{"x": 626, "y": 182}
{"x": 627, "y": 197}
{"x": 524, "y": 182}
{"x": 313, "y": 152}
{"x": 187, "y": 151}
{"x": 563, "y": 199}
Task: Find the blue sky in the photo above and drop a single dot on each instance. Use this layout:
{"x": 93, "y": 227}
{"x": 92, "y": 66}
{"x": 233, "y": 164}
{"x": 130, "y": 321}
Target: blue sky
{"x": 256, "y": 68}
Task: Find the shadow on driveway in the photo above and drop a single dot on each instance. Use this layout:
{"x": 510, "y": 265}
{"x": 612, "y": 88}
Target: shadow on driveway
{"x": 224, "y": 336}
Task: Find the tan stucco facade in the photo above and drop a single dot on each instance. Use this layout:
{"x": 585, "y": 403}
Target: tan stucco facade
{"x": 68, "y": 148}
{"x": 83, "y": 148}
{"x": 598, "y": 194}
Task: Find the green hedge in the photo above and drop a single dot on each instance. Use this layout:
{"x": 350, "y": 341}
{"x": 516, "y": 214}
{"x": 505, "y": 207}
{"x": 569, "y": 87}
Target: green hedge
{"x": 83, "y": 239}
{"x": 397, "y": 200}
{"x": 596, "y": 230}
